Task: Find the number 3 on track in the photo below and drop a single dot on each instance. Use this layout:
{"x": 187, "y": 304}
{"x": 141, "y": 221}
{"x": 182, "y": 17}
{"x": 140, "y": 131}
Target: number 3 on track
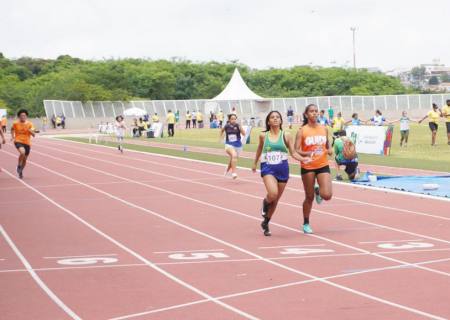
{"x": 87, "y": 261}
{"x": 198, "y": 256}
{"x": 408, "y": 245}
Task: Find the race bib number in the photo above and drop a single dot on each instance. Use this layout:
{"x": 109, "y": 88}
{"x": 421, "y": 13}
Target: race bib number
{"x": 274, "y": 157}
{"x": 232, "y": 137}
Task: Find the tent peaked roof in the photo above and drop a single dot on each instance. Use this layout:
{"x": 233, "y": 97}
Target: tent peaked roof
{"x": 237, "y": 89}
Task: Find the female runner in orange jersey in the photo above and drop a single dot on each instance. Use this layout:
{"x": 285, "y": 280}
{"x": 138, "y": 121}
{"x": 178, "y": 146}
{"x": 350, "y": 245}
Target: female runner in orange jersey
{"x": 312, "y": 139}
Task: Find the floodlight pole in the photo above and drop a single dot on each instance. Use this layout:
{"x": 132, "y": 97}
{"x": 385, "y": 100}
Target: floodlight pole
{"x": 353, "y": 29}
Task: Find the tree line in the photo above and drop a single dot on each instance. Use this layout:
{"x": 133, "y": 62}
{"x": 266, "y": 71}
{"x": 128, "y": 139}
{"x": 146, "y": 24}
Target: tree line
{"x": 25, "y": 82}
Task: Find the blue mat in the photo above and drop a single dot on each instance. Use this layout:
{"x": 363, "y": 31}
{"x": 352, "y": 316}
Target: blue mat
{"x": 410, "y": 183}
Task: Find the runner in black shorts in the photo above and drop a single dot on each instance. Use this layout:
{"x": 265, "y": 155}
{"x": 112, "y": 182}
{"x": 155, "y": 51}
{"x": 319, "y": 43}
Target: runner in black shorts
{"x": 21, "y": 132}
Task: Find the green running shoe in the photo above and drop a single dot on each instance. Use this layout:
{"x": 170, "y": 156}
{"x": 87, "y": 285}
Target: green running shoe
{"x": 307, "y": 228}
{"x": 318, "y": 197}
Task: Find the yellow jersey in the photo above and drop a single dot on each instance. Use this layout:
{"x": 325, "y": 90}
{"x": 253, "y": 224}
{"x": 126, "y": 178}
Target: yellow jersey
{"x": 155, "y": 118}
{"x": 446, "y": 113}
{"x": 433, "y": 116}
{"x": 199, "y": 116}
{"x": 338, "y": 124}
{"x": 170, "y": 118}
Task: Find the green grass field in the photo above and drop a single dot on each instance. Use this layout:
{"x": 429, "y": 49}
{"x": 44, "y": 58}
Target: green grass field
{"x": 419, "y": 154}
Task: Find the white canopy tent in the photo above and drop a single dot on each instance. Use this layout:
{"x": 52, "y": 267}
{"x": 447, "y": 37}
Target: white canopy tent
{"x": 237, "y": 91}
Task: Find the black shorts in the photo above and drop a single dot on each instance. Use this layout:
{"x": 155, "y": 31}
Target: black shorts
{"x": 325, "y": 169}
{"x": 23, "y": 145}
{"x": 433, "y": 126}
{"x": 448, "y": 126}
{"x": 350, "y": 167}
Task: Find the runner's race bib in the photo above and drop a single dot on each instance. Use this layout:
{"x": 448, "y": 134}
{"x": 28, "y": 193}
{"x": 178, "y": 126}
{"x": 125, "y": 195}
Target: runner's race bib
{"x": 274, "y": 157}
{"x": 232, "y": 138}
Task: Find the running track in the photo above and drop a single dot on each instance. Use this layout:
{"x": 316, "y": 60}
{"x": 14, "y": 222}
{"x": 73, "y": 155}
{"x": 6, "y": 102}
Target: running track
{"x": 93, "y": 234}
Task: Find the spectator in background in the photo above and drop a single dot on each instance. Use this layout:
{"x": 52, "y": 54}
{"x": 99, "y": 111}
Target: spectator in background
{"x": 4, "y": 123}
{"x": 58, "y": 121}
{"x": 135, "y": 128}
{"x": 446, "y": 114}
{"x": 345, "y": 155}
{"x": 170, "y": 119}
{"x": 404, "y": 128}
{"x": 199, "y": 115}
{"x": 433, "y": 120}
{"x": 337, "y": 125}
{"x": 355, "y": 121}
{"x": 290, "y": 116}
{"x": 155, "y": 118}
{"x": 330, "y": 113}
{"x": 54, "y": 121}
{"x": 220, "y": 118}
{"x": 194, "y": 119}
{"x": 378, "y": 119}
{"x": 63, "y": 121}
{"x": 142, "y": 126}
{"x": 322, "y": 119}
{"x": 177, "y": 117}
{"x": 188, "y": 119}
{"x": 44, "y": 124}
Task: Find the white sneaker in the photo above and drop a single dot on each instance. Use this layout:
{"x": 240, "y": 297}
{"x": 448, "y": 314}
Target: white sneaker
{"x": 234, "y": 176}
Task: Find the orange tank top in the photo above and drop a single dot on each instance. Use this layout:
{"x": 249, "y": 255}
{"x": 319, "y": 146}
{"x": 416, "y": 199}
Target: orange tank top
{"x": 315, "y": 139}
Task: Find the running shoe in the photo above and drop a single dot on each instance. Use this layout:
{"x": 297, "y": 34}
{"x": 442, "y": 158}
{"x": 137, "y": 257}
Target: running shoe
{"x": 18, "y": 169}
{"x": 234, "y": 176}
{"x": 318, "y": 197}
{"x": 307, "y": 229}
{"x": 339, "y": 177}
{"x": 265, "y": 227}
{"x": 20, "y": 172}
{"x": 265, "y": 208}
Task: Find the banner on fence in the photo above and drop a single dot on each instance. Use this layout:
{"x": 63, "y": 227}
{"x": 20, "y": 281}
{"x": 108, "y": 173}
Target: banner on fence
{"x": 371, "y": 139}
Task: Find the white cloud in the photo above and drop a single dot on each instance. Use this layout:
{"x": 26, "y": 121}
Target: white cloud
{"x": 259, "y": 33}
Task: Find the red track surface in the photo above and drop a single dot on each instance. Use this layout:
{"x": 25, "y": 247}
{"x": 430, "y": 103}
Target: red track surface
{"x": 93, "y": 234}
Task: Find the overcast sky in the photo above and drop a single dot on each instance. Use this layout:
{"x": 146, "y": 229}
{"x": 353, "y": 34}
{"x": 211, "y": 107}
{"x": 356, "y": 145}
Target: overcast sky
{"x": 259, "y": 33}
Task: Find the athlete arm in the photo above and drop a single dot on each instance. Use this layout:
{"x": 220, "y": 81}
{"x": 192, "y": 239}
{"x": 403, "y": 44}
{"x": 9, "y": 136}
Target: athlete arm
{"x": 329, "y": 150}
{"x": 423, "y": 119}
{"x": 294, "y": 154}
{"x": 13, "y": 134}
{"x": 241, "y": 128}
{"x": 258, "y": 151}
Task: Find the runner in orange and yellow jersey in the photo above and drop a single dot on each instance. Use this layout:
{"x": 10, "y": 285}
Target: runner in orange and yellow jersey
{"x": 312, "y": 140}
{"x": 21, "y": 132}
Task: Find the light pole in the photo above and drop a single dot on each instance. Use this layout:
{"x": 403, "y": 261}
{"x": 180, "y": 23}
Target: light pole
{"x": 353, "y": 29}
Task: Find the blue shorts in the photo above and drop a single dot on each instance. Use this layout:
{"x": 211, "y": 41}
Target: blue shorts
{"x": 279, "y": 171}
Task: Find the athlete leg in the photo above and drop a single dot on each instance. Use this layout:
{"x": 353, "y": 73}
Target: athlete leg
{"x": 308, "y": 180}
{"x": 325, "y": 187}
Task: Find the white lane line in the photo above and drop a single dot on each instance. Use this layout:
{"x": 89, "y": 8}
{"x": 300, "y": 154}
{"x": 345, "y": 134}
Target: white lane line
{"x": 83, "y": 256}
{"x": 181, "y": 251}
{"x": 246, "y": 215}
{"x": 266, "y": 289}
{"x": 250, "y": 195}
{"x": 130, "y": 251}
{"x": 391, "y": 241}
{"x": 223, "y": 242}
{"x": 294, "y": 246}
{"x": 34, "y": 275}
{"x": 150, "y": 155}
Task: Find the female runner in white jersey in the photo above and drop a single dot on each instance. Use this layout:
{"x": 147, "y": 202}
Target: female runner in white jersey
{"x": 120, "y": 132}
